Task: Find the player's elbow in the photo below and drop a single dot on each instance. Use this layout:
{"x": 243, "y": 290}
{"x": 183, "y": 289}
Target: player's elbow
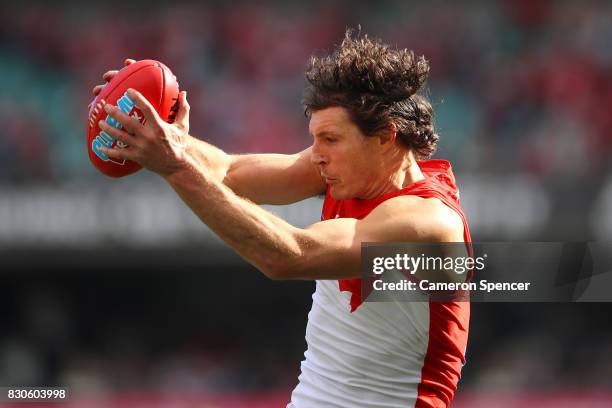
{"x": 295, "y": 265}
{"x": 276, "y": 273}
{"x": 281, "y": 270}
{"x": 296, "y": 260}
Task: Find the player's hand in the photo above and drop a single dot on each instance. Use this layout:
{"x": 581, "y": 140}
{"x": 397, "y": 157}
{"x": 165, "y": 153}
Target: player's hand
{"x": 108, "y": 75}
{"x": 156, "y": 145}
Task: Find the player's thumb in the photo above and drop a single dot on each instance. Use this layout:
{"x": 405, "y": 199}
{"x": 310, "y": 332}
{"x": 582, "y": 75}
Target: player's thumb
{"x": 182, "y": 116}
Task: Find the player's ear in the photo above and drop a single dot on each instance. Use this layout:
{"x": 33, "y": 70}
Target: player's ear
{"x": 388, "y": 136}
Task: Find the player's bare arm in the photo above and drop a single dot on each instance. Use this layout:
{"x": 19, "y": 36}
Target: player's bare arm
{"x": 262, "y": 178}
{"x": 326, "y": 250}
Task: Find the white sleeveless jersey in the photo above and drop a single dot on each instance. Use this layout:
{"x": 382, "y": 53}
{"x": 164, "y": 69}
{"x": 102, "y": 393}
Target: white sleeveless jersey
{"x": 372, "y": 357}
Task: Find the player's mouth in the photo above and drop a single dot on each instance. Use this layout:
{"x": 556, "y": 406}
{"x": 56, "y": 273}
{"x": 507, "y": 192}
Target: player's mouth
{"x": 328, "y": 180}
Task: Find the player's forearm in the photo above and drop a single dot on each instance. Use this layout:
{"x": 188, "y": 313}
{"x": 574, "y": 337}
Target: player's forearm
{"x": 263, "y": 239}
{"x": 215, "y": 160}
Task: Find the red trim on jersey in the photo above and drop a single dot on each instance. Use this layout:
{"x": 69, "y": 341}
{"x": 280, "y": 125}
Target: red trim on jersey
{"x": 449, "y": 321}
{"x": 448, "y": 332}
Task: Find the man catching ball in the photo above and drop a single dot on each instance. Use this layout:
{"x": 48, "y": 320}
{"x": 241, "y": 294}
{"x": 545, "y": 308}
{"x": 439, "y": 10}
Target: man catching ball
{"x": 372, "y": 133}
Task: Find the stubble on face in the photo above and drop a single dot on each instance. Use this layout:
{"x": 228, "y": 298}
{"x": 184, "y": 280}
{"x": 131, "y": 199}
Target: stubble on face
{"x": 345, "y": 157}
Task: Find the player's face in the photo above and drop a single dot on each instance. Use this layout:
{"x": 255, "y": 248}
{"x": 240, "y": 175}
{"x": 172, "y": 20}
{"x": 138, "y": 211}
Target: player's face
{"x": 347, "y": 159}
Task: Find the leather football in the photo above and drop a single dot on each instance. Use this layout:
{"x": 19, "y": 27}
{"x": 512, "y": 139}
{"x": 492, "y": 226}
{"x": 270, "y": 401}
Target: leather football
{"x": 156, "y": 83}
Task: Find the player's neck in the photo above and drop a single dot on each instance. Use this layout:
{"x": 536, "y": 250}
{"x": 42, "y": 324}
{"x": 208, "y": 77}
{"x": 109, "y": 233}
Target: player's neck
{"x": 412, "y": 174}
{"x": 401, "y": 174}
{"x": 408, "y": 174}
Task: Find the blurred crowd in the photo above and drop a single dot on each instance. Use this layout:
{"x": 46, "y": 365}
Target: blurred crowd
{"x": 518, "y": 87}
{"x": 191, "y": 329}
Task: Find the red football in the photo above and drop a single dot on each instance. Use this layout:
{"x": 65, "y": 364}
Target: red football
{"x": 156, "y": 83}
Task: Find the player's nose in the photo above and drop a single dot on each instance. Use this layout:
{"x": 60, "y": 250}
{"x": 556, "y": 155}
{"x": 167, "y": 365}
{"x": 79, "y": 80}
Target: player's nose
{"x": 317, "y": 157}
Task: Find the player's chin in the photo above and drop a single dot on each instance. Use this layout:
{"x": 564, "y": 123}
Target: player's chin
{"x": 338, "y": 193}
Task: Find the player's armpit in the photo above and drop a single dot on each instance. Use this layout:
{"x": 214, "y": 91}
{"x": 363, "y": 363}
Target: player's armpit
{"x": 332, "y": 249}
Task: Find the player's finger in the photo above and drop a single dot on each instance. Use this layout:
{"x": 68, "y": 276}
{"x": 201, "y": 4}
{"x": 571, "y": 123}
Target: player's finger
{"x": 145, "y": 107}
{"x": 182, "y": 116}
{"x": 119, "y": 154}
{"x": 108, "y": 75}
{"x": 118, "y": 134}
{"x": 128, "y": 61}
{"x": 97, "y": 89}
{"x": 130, "y": 124}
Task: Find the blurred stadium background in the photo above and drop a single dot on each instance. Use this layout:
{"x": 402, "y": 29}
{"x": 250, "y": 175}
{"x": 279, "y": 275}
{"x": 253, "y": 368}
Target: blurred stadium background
{"x": 115, "y": 290}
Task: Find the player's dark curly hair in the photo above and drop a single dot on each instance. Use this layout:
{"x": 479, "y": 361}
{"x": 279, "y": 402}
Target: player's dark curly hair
{"x": 378, "y": 86}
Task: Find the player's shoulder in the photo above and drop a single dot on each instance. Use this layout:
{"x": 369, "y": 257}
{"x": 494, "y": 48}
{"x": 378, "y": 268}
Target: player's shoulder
{"x": 410, "y": 205}
{"x": 418, "y": 218}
